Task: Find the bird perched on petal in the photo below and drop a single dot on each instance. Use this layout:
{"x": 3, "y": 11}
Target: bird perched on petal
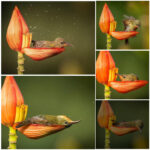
{"x": 57, "y": 43}
{"x": 43, "y": 125}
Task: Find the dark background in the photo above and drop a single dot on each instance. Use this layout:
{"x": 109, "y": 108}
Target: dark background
{"x": 126, "y": 111}
{"x": 73, "y": 21}
{"x": 129, "y": 62}
{"x": 70, "y": 96}
{"x": 139, "y": 10}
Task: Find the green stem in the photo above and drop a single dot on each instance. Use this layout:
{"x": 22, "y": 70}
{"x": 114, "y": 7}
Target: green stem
{"x": 107, "y": 139}
{"x": 12, "y": 138}
{"x": 108, "y": 42}
{"x": 20, "y": 63}
{"x": 107, "y": 94}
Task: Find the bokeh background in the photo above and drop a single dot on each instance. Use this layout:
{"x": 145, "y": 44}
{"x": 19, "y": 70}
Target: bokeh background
{"x": 126, "y": 111}
{"x": 73, "y": 21}
{"x": 70, "y": 96}
{"x": 129, "y": 62}
{"x": 137, "y": 9}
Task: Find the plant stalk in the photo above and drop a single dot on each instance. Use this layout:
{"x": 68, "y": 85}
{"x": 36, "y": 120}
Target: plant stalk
{"x": 12, "y": 138}
{"x": 107, "y": 94}
{"x": 20, "y": 63}
{"x": 108, "y": 42}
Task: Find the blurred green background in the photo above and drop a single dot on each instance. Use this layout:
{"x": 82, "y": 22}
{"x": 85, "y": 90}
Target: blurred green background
{"x": 73, "y": 21}
{"x": 139, "y": 10}
{"x": 129, "y": 62}
{"x": 70, "y": 96}
{"x": 126, "y": 111}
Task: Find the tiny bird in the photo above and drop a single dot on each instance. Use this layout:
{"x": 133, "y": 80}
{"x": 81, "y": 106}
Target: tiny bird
{"x": 128, "y": 77}
{"x": 131, "y": 124}
{"x": 57, "y": 43}
{"x": 43, "y": 125}
{"x": 130, "y": 24}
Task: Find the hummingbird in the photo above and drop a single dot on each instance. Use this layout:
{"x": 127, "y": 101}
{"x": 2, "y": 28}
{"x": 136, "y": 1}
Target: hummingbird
{"x": 128, "y": 77}
{"x": 57, "y": 43}
{"x": 130, "y": 24}
{"x": 131, "y": 124}
{"x": 43, "y": 125}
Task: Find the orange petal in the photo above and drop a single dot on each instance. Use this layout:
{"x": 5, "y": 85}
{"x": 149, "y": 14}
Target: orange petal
{"x": 10, "y": 99}
{"x": 122, "y": 35}
{"x": 104, "y": 114}
{"x": 16, "y": 28}
{"x": 111, "y": 61}
{"x": 102, "y": 67}
{"x": 127, "y": 86}
{"x": 42, "y": 53}
{"x": 105, "y": 19}
{"x": 104, "y": 22}
{"x": 104, "y": 63}
{"x": 19, "y": 96}
{"x": 8, "y": 102}
{"x": 122, "y": 130}
{"x": 35, "y": 131}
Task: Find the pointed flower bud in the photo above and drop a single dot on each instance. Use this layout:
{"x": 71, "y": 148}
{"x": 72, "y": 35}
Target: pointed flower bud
{"x": 127, "y": 86}
{"x": 11, "y": 99}
{"x": 105, "y": 68}
{"x": 42, "y": 53}
{"x": 122, "y": 35}
{"x": 107, "y": 21}
{"x": 105, "y": 114}
{"x": 123, "y": 128}
{"x": 16, "y": 29}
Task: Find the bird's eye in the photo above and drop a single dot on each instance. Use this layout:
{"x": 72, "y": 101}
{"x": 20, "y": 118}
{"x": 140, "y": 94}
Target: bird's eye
{"x": 62, "y": 42}
{"x": 66, "y": 122}
{"x": 124, "y": 76}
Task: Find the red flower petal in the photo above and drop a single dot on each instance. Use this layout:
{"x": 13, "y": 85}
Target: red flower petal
{"x": 35, "y": 131}
{"x": 105, "y": 19}
{"x": 42, "y": 53}
{"x": 104, "y": 114}
{"x": 122, "y": 130}
{"x": 104, "y": 63}
{"x": 127, "y": 86}
{"x": 10, "y": 98}
{"x": 16, "y": 28}
{"x": 122, "y": 35}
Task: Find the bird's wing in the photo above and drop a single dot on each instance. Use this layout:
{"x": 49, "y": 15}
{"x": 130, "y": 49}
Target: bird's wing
{"x": 23, "y": 123}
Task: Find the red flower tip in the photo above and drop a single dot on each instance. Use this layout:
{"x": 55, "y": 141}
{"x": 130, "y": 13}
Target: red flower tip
{"x": 106, "y": 19}
{"x": 122, "y": 35}
{"x": 127, "y": 86}
{"x": 42, "y": 53}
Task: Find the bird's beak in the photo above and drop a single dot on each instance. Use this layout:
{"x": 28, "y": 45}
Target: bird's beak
{"x": 74, "y": 122}
{"x": 67, "y": 44}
